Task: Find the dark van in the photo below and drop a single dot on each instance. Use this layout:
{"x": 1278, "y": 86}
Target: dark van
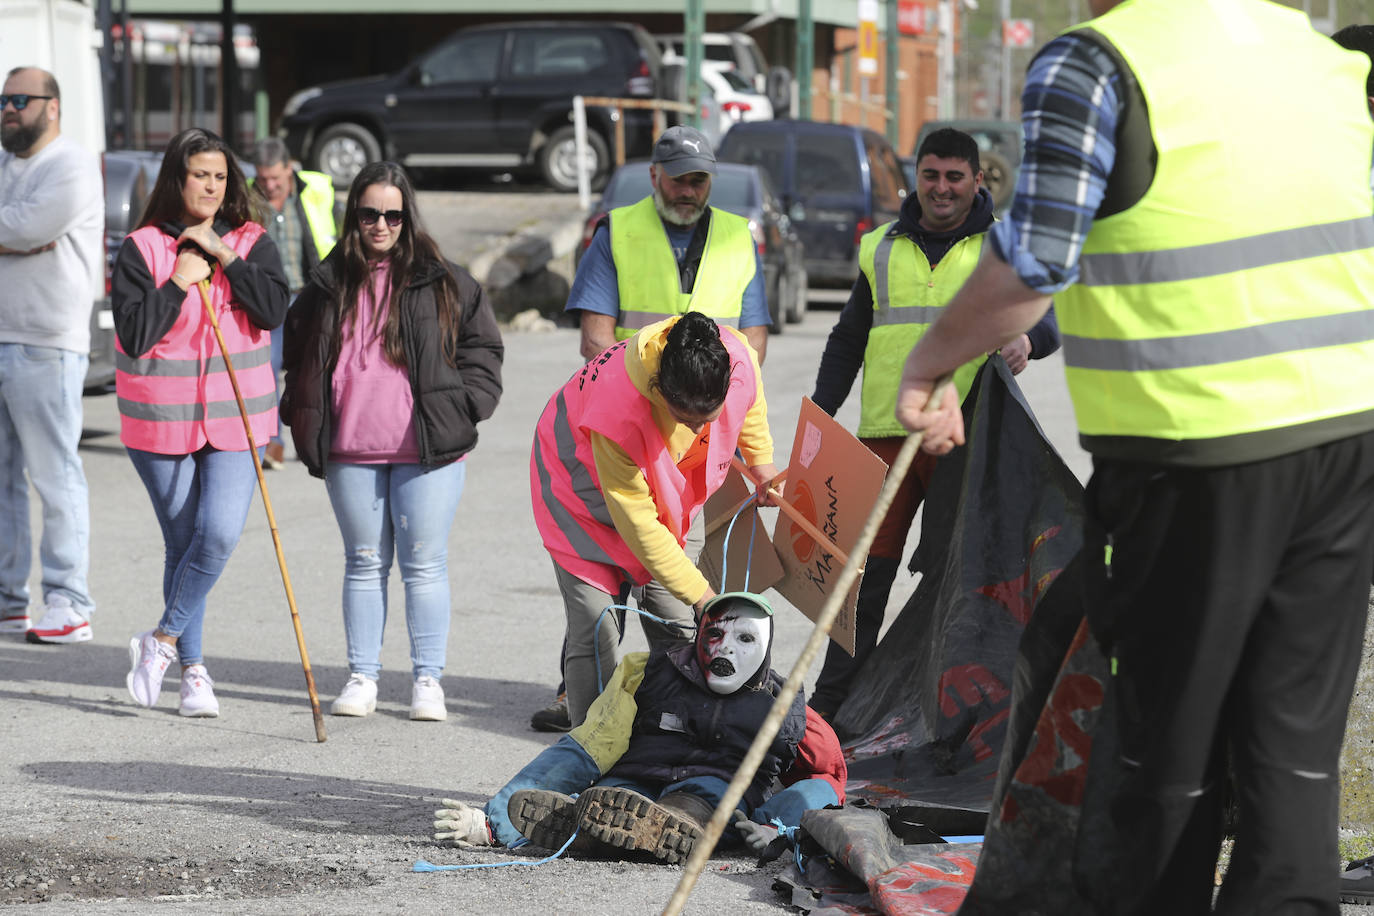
{"x": 836, "y": 181}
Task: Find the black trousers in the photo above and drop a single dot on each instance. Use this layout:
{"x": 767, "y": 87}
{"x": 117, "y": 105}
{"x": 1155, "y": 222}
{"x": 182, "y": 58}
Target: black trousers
{"x": 1232, "y": 601}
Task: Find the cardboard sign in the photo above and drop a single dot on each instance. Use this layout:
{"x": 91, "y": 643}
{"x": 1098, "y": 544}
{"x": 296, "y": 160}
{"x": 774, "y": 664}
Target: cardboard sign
{"x": 750, "y": 542}
{"x": 833, "y": 481}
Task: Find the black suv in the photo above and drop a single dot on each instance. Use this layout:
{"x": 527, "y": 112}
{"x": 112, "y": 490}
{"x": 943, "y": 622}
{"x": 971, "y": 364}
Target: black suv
{"x": 491, "y": 96}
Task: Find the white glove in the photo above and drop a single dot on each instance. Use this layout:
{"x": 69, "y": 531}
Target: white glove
{"x": 463, "y": 825}
{"x": 755, "y": 836}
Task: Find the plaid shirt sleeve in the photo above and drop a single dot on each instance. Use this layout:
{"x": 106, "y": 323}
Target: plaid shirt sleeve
{"x": 1070, "y": 108}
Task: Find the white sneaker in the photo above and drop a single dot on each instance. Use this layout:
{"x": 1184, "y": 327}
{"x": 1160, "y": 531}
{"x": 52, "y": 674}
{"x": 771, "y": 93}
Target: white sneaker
{"x": 60, "y": 624}
{"x": 427, "y": 700}
{"x": 197, "y": 693}
{"x": 15, "y": 621}
{"x": 358, "y": 698}
{"x": 148, "y": 660}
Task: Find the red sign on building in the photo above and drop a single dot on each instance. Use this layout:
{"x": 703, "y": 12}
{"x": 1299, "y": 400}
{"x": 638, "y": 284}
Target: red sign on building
{"x": 1018, "y": 33}
{"x": 911, "y": 17}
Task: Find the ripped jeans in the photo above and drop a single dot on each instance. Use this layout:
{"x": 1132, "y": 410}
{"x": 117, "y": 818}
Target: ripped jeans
{"x": 406, "y": 511}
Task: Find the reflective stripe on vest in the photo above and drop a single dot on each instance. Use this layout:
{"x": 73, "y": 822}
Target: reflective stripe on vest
{"x": 569, "y": 508}
{"x": 647, "y": 270}
{"x": 1224, "y": 316}
{"x": 177, "y": 397}
{"x": 908, "y": 295}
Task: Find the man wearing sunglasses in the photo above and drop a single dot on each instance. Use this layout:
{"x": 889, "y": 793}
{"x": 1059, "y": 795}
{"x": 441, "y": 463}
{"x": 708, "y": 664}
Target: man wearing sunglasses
{"x": 52, "y": 218}
{"x": 303, "y": 222}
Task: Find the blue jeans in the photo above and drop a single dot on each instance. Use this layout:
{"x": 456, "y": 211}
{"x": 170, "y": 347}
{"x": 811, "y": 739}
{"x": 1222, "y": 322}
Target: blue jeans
{"x": 40, "y": 427}
{"x": 201, "y": 502}
{"x": 386, "y": 510}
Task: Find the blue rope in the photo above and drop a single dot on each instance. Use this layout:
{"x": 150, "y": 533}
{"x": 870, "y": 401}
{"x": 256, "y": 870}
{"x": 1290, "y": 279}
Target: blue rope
{"x": 725, "y": 550}
{"x": 790, "y": 834}
{"x": 596, "y": 643}
{"x": 423, "y": 866}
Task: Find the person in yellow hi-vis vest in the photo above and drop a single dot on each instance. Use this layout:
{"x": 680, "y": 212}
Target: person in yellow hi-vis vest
{"x": 1213, "y": 282}
{"x": 669, "y": 254}
{"x": 302, "y": 219}
{"x": 908, "y": 270}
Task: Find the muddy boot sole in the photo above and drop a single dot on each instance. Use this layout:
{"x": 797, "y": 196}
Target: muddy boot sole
{"x": 627, "y": 820}
{"x": 544, "y": 818}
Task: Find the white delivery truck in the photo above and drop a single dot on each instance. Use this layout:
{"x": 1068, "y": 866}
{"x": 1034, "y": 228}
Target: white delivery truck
{"x": 61, "y": 37}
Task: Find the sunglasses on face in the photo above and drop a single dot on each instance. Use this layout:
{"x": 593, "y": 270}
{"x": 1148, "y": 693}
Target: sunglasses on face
{"x": 368, "y": 216}
{"x": 20, "y": 100}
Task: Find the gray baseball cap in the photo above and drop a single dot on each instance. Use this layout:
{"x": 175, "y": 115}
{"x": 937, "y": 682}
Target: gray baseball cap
{"x": 681, "y": 149}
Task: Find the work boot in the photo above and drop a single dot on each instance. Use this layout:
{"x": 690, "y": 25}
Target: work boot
{"x": 1357, "y": 883}
{"x": 546, "y": 819}
{"x": 667, "y": 829}
{"x": 554, "y": 717}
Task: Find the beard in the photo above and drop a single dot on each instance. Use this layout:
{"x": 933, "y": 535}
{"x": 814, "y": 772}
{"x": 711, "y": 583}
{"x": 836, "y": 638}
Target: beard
{"x": 19, "y": 138}
{"x": 671, "y": 215}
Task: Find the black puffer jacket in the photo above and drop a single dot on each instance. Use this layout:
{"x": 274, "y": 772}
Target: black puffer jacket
{"x": 683, "y": 730}
{"x": 449, "y": 400}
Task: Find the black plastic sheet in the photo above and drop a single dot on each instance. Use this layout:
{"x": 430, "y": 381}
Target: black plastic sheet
{"x": 977, "y": 705}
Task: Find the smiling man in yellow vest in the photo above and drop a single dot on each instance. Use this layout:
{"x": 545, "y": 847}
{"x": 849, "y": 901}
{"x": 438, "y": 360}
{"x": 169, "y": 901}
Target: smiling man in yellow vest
{"x": 909, "y": 268}
{"x": 669, "y": 254}
{"x": 1219, "y": 350}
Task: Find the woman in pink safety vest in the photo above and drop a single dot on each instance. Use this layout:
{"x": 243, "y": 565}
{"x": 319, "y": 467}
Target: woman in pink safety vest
{"x": 625, "y": 455}
{"x": 179, "y": 419}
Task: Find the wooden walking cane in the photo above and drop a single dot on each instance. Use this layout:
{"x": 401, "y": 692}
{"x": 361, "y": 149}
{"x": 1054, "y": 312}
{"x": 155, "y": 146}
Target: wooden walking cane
{"x": 204, "y": 287}
{"x": 702, "y": 849}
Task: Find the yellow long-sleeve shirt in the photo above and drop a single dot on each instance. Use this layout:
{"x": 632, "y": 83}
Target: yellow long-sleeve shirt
{"x": 626, "y": 489}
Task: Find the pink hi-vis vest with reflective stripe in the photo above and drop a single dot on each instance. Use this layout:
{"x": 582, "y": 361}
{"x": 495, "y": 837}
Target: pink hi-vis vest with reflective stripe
{"x": 177, "y": 397}
{"x": 569, "y": 507}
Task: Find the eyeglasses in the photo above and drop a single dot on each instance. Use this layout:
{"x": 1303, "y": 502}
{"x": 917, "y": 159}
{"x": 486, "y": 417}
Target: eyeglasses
{"x": 368, "y": 216}
{"x": 21, "y": 100}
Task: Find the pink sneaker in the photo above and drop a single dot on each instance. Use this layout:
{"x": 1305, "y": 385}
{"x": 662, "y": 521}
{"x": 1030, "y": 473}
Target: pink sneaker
{"x": 148, "y": 661}
{"x": 197, "y": 693}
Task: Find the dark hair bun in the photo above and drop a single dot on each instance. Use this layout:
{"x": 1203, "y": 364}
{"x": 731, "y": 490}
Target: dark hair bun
{"x": 694, "y": 372}
{"x": 694, "y": 330}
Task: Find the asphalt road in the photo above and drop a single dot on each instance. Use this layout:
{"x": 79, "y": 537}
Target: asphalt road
{"x": 107, "y": 806}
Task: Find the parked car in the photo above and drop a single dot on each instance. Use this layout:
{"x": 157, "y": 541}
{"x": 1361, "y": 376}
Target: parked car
{"x": 736, "y": 98}
{"x": 493, "y": 96}
{"x": 999, "y": 153}
{"x": 736, "y": 49}
{"x": 836, "y": 182}
{"x": 745, "y": 191}
{"x": 129, "y": 176}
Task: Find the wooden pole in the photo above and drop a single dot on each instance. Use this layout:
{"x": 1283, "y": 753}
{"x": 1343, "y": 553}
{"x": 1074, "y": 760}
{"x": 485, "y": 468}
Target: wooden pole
{"x": 204, "y": 287}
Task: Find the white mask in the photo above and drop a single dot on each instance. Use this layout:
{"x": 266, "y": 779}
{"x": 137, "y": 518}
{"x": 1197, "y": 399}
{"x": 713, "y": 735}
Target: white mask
{"x": 732, "y": 646}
